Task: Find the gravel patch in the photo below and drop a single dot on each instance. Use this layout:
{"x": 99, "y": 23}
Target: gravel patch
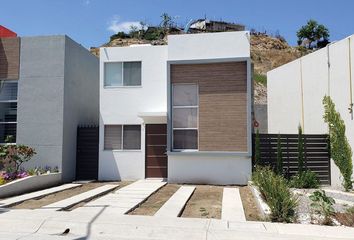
{"x": 304, "y": 209}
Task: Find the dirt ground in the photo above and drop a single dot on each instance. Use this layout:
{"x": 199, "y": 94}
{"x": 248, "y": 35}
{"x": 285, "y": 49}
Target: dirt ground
{"x": 155, "y": 201}
{"x": 55, "y": 197}
{"x": 249, "y": 204}
{"x": 205, "y": 203}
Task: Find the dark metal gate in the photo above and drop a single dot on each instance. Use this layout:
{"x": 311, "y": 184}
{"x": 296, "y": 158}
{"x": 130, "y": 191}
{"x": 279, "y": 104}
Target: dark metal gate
{"x": 316, "y": 153}
{"x": 87, "y": 153}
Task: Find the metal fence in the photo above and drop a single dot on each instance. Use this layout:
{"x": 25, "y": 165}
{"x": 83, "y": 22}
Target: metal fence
{"x": 316, "y": 153}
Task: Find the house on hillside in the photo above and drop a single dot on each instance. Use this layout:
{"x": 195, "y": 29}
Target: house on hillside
{"x": 206, "y": 25}
{"x": 49, "y": 86}
{"x": 181, "y": 111}
{"x": 296, "y": 91}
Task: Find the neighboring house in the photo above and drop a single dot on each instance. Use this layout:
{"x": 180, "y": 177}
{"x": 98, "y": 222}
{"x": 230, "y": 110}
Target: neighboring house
{"x": 296, "y": 90}
{"x": 180, "y": 111}
{"x": 49, "y": 86}
{"x": 207, "y": 25}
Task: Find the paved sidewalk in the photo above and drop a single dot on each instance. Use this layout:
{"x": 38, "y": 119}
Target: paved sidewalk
{"x": 108, "y": 224}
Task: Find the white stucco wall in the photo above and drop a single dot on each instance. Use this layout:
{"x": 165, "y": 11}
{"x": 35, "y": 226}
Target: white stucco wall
{"x": 284, "y": 92}
{"x": 208, "y": 45}
{"x": 204, "y": 167}
{"x": 122, "y": 105}
{"x": 209, "y": 169}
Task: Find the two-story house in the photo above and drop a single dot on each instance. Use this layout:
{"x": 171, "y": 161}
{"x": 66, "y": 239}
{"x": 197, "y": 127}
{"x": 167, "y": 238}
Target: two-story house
{"x": 180, "y": 111}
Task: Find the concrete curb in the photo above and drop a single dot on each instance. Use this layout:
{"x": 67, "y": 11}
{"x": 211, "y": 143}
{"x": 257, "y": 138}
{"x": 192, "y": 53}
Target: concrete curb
{"x": 261, "y": 204}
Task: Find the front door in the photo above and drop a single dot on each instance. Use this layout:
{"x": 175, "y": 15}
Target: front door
{"x": 155, "y": 151}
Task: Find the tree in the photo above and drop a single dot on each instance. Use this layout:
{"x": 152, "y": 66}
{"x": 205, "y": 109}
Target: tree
{"x": 134, "y": 31}
{"x": 166, "y": 22}
{"x": 313, "y": 32}
{"x": 279, "y": 167}
{"x": 300, "y": 149}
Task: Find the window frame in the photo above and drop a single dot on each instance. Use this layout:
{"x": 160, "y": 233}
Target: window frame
{"x": 11, "y": 101}
{"x": 184, "y": 107}
{"x": 122, "y": 138}
{"x": 123, "y": 86}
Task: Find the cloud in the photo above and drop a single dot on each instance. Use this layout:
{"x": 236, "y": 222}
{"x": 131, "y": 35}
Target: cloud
{"x": 116, "y": 26}
{"x": 87, "y": 2}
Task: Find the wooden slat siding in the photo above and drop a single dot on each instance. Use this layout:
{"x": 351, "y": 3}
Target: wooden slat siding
{"x": 222, "y": 103}
{"x": 87, "y": 153}
{"x": 9, "y": 58}
{"x": 316, "y": 153}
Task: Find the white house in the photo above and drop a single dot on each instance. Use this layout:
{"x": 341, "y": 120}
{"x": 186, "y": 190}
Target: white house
{"x": 296, "y": 90}
{"x": 180, "y": 111}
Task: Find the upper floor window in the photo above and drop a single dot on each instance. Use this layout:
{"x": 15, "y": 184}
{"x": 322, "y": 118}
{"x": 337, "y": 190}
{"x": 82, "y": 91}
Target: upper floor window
{"x": 185, "y": 116}
{"x": 117, "y": 74}
{"x": 8, "y": 110}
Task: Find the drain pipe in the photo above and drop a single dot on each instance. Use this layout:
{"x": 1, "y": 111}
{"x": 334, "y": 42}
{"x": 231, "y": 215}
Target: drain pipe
{"x": 350, "y": 80}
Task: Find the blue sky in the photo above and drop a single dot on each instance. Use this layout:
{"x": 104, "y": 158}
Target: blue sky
{"x": 91, "y": 22}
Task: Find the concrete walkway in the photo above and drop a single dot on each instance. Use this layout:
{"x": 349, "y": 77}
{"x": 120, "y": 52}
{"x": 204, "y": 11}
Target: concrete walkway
{"x": 232, "y": 208}
{"x": 37, "y": 194}
{"x": 108, "y": 224}
{"x": 85, "y": 196}
{"x": 127, "y": 198}
{"x": 174, "y": 206}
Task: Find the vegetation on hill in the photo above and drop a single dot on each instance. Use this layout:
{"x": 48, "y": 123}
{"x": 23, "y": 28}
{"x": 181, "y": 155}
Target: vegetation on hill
{"x": 267, "y": 52}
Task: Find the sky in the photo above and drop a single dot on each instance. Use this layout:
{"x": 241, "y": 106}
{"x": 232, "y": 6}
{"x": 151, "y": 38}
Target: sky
{"x": 91, "y": 22}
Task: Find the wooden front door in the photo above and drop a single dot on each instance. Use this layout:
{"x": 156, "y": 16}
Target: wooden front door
{"x": 155, "y": 151}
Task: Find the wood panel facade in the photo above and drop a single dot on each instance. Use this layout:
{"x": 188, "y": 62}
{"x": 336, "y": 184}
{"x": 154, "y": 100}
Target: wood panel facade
{"x": 222, "y": 103}
{"x": 9, "y": 58}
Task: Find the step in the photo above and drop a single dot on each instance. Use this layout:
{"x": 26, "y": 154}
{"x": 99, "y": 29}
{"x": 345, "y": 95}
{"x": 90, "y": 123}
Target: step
{"x": 175, "y": 205}
{"x": 85, "y": 196}
{"x": 37, "y": 194}
{"x": 232, "y": 208}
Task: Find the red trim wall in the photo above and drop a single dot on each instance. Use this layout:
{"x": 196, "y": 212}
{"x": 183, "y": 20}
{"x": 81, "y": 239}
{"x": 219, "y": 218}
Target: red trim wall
{"x": 5, "y": 33}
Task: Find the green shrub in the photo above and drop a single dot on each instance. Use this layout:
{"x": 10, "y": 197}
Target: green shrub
{"x": 121, "y": 35}
{"x": 323, "y": 205}
{"x": 341, "y": 152}
{"x": 276, "y": 193}
{"x": 300, "y": 149}
{"x": 305, "y": 179}
{"x": 2, "y": 181}
{"x": 260, "y": 78}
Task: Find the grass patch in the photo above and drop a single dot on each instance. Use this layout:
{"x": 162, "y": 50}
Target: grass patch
{"x": 260, "y": 78}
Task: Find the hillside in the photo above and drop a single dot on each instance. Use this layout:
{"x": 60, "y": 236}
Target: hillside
{"x": 267, "y": 53}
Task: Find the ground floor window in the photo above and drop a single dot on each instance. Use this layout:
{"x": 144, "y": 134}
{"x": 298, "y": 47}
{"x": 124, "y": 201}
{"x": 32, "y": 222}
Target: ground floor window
{"x": 8, "y": 111}
{"x": 122, "y": 137}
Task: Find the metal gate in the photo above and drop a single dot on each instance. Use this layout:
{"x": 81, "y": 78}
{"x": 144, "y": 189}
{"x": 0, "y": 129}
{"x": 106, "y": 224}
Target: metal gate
{"x": 87, "y": 153}
{"x": 316, "y": 150}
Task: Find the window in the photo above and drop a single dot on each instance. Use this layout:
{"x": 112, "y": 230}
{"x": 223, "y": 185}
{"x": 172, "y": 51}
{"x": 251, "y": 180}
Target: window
{"x": 185, "y": 116}
{"x": 8, "y": 110}
{"x": 117, "y": 74}
{"x": 122, "y": 137}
